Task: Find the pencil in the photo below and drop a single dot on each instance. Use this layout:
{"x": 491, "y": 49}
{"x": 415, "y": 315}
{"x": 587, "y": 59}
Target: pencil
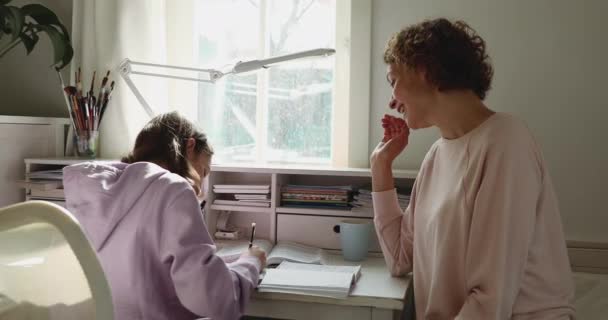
{"x": 252, "y": 234}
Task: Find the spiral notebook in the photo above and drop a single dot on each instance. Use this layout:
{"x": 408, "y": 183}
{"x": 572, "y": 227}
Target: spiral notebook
{"x": 310, "y": 279}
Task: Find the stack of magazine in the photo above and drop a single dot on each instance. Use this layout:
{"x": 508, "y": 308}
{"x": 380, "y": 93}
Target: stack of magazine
{"x": 362, "y": 200}
{"x": 242, "y": 195}
{"x": 318, "y": 197}
{"x": 45, "y": 184}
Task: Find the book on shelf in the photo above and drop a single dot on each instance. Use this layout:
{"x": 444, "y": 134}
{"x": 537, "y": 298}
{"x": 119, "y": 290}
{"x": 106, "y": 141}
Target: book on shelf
{"x": 316, "y": 204}
{"x": 244, "y": 191}
{"x": 241, "y": 186}
{"x": 317, "y": 197}
{"x": 301, "y": 269}
{"x": 46, "y": 175}
{"x": 40, "y": 184}
{"x": 309, "y": 187}
{"x": 254, "y": 201}
{"x": 242, "y": 203}
{"x": 239, "y": 196}
{"x": 51, "y": 193}
{"x": 312, "y": 196}
{"x": 362, "y": 200}
{"x": 316, "y": 192}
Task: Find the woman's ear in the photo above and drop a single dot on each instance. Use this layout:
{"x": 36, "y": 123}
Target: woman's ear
{"x": 421, "y": 74}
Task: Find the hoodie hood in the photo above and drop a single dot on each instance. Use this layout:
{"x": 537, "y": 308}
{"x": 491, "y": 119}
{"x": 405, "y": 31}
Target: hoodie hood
{"x": 101, "y": 194}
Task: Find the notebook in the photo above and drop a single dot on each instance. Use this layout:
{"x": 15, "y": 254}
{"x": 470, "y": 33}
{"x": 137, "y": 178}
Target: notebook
{"x": 310, "y": 279}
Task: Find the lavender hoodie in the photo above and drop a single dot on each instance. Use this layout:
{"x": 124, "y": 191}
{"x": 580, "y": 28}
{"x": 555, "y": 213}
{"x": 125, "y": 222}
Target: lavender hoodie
{"x": 153, "y": 244}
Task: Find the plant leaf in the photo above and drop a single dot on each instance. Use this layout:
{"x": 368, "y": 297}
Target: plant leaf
{"x": 19, "y": 21}
{"x": 44, "y": 16}
{"x": 7, "y": 21}
{"x": 13, "y": 21}
{"x": 67, "y": 57}
{"x": 57, "y": 40}
{"x": 29, "y": 42}
{"x": 63, "y": 51}
{"x": 1, "y": 24}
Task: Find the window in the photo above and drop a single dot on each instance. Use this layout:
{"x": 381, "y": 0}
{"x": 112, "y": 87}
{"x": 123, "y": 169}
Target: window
{"x": 283, "y": 114}
{"x": 304, "y": 112}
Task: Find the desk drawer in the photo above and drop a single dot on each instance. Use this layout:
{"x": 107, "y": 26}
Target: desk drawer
{"x": 315, "y": 230}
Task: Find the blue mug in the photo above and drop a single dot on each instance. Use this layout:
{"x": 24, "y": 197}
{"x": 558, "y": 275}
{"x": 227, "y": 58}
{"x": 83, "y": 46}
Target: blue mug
{"x": 355, "y": 238}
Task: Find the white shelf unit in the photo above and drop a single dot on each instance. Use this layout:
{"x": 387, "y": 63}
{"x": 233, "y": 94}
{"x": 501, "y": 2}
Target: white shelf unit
{"x": 39, "y": 164}
{"x": 310, "y": 226}
{"x": 305, "y": 225}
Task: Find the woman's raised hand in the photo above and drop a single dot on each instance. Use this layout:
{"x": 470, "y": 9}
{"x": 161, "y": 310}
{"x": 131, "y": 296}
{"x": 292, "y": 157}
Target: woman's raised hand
{"x": 394, "y": 140}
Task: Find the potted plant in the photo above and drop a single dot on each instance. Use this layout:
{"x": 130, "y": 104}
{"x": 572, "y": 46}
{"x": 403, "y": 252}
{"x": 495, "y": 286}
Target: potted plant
{"x": 23, "y": 26}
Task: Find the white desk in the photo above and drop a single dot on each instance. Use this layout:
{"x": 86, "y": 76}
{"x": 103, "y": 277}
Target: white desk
{"x": 376, "y": 296}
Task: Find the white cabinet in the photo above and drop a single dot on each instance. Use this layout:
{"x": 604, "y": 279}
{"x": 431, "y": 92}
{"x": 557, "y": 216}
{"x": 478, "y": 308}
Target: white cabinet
{"x": 318, "y": 231}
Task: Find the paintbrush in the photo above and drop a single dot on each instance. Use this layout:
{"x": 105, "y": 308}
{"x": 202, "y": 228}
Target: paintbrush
{"x": 67, "y": 101}
{"x": 107, "y": 97}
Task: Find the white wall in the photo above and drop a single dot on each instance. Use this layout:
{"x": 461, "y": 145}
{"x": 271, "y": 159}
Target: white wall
{"x": 550, "y": 60}
{"x": 28, "y": 85}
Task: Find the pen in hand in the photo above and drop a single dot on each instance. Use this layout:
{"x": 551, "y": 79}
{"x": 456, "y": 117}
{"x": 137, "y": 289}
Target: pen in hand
{"x": 252, "y": 234}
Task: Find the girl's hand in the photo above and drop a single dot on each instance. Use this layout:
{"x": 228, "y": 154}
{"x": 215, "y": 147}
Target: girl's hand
{"x": 257, "y": 252}
{"x": 394, "y": 141}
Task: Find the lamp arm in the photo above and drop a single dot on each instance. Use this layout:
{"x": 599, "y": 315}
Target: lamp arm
{"x": 213, "y": 74}
{"x": 253, "y": 65}
{"x": 125, "y": 70}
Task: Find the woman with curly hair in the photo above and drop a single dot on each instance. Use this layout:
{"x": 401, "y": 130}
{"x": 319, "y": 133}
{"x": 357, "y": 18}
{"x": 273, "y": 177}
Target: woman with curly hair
{"x": 482, "y": 233}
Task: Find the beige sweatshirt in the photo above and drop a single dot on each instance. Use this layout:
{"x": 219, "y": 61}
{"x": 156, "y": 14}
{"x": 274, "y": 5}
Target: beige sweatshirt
{"x": 482, "y": 233}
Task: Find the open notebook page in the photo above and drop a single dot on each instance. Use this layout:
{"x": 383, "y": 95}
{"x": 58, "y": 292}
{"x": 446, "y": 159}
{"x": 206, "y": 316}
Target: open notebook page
{"x": 296, "y": 252}
{"x": 230, "y": 250}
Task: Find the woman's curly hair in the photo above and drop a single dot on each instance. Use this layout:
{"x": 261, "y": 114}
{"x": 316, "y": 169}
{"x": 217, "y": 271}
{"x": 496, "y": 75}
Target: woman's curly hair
{"x": 451, "y": 54}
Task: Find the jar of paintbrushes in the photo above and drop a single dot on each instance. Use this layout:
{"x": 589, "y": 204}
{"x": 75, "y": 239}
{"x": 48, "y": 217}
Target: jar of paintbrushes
{"x": 86, "y": 110}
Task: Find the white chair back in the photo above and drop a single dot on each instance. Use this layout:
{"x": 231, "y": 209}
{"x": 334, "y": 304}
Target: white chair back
{"x": 48, "y": 269}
